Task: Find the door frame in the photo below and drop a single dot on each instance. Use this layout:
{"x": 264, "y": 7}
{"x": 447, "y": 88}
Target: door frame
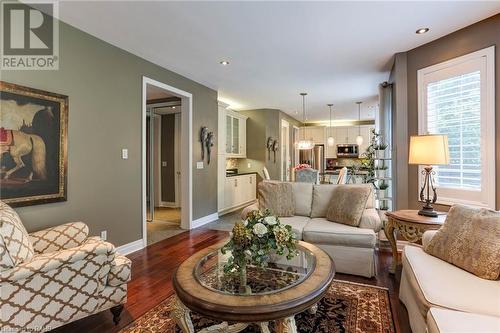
{"x": 186, "y": 152}
{"x": 285, "y": 153}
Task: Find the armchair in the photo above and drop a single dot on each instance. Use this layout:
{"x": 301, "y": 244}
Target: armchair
{"x": 57, "y": 275}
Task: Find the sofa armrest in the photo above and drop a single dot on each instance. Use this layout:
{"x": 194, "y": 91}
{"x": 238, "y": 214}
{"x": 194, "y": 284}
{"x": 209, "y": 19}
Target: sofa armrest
{"x": 427, "y": 236}
{"x": 43, "y": 263}
{"x": 120, "y": 272}
{"x": 370, "y": 220}
{"x": 249, "y": 209}
{"x": 61, "y": 237}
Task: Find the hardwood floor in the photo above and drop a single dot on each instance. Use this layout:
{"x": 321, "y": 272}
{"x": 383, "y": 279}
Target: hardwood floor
{"x": 153, "y": 267}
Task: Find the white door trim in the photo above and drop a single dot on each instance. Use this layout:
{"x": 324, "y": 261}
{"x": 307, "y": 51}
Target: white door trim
{"x": 186, "y": 153}
{"x": 285, "y": 153}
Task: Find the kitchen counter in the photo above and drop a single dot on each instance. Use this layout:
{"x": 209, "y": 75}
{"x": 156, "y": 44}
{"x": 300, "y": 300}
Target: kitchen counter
{"x": 241, "y": 174}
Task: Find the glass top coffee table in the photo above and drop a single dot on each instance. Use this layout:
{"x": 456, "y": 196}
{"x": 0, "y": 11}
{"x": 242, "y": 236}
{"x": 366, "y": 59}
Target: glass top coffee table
{"x": 276, "y": 292}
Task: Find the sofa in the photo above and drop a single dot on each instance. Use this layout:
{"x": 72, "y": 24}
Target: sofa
{"x": 441, "y": 297}
{"x": 57, "y": 275}
{"x": 351, "y": 248}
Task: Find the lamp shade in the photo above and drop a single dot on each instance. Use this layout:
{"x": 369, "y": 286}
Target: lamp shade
{"x": 429, "y": 150}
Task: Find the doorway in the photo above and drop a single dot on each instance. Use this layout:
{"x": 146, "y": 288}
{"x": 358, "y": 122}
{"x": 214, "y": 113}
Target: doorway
{"x": 286, "y": 162}
{"x": 167, "y": 150}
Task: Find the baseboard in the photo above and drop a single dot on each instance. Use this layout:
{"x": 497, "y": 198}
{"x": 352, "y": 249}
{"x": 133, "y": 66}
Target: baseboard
{"x": 130, "y": 247}
{"x": 204, "y": 220}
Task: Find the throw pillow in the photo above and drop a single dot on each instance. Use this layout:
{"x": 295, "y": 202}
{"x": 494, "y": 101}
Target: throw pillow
{"x": 348, "y": 204}
{"x": 469, "y": 239}
{"x": 15, "y": 244}
{"x": 277, "y": 197}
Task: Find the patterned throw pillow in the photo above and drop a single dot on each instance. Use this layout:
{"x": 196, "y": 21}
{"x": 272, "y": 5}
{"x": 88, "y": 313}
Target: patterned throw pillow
{"x": 469, "y": 239}
{"x": 348, "y": 204}
{"x": 278, "y": 197}
{"x": 15, "y": 245}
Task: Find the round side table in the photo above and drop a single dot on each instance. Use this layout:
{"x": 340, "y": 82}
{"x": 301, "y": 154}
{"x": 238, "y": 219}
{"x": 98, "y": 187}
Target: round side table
{"x": 411, "y": 226}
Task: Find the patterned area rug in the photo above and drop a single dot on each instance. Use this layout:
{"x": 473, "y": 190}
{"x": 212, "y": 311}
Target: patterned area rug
{"x": 347, "y": 308}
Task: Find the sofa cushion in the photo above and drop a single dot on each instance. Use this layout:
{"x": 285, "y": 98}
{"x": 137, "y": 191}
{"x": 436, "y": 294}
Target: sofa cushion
{"x": 303, "y": 193}
{"x": 297, "y": 222}
{"x": 440, "y": 284}
{"x": 322, "y": 231}
{"x": 278, "y": 197}
{"x": 15, "y": 244}
{"x": 469, "y": 239}
{"x": 321, "y": 197}
{"x": 348, "y": 203}
{"x": 449, "y": 321}
{"x": 370, "y": 220}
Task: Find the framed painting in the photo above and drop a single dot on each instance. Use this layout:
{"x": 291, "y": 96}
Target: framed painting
{"x": 33, "y": 145}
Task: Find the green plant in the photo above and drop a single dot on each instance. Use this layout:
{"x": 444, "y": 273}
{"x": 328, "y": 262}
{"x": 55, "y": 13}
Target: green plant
{"x": 381, "y": 167}
{"x": 382, "y": 146}
{"x": 383, "y": 185}
{"x": 254, "y": 239}
{"x": 383, "y": 205}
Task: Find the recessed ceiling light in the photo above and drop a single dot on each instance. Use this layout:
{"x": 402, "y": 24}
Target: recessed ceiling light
{"x": 422, "y": 31}
{"x": 224, "y": 62}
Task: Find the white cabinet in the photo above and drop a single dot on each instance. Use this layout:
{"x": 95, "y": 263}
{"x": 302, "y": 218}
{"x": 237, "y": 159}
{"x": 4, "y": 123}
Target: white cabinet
{"x": 235, "y": 134}
{"x": 238, "y": 191}
{"x": 316, "y": 133}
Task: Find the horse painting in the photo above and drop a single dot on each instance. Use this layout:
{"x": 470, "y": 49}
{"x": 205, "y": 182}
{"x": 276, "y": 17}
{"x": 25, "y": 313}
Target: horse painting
{"x": 20, "y": 145}
{"x": 33, "y": 145}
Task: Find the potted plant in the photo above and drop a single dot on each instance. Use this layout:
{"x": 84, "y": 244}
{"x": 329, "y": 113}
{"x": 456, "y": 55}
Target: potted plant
{"x": 380, "y": 150}
{"x": 252, "y": 243}
{"x": 383, "y": 205}
{"x": 380, "y": 171}
{"x": 382, "y": 189}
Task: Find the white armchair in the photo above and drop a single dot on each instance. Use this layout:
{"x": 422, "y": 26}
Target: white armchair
{"x": 57, "y": 275}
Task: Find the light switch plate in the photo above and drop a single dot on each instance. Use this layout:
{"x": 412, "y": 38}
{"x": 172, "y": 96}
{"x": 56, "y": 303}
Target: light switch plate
{"x": 104, "y": 235}
{"x": 163, "y": 163}
{"x": 199, "y": 165}
{"x": 124, "y": 153}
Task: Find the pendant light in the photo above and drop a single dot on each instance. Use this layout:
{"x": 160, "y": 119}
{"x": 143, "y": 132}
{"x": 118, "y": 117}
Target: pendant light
{"x": 304, "y": 144}
{"x": 330, "y": 141}
{"x": 359, "y": 138}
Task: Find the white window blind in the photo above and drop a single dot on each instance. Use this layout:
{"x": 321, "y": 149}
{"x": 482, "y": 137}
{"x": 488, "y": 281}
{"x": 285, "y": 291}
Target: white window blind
{"x": 454, "y": 108}
{"x": 456, "y": 98}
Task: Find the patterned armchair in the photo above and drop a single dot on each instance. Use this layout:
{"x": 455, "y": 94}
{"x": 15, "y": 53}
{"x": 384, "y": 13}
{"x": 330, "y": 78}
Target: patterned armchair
{"x": 57, "y": 275}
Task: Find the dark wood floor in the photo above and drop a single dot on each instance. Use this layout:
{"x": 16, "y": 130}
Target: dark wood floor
{"x": 153, "y": 267}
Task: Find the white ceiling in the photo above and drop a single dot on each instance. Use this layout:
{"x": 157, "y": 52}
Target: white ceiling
{"x": 338, "y": 52}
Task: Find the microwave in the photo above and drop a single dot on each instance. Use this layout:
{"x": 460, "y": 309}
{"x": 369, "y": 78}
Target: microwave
{"x": 347, "y": 150}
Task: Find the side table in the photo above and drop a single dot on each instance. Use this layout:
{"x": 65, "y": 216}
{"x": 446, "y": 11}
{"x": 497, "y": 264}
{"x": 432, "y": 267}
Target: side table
{"x": 411, "y": 226}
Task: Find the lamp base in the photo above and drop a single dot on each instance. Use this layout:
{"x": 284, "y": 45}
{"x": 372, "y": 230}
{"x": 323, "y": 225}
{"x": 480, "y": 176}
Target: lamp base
{"x": 428, "y": 211}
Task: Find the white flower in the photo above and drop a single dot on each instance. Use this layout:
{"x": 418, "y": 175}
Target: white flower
{"x": 259, "y": 229}
{"x": 270, "y": 220}
{"x": 245, "y": 223}
{"x": 248, "y": 253}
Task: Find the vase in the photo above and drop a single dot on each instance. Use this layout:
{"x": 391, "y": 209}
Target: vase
{"x": 381, "y": 194}
{"x": 380, "y": 153}
{"x": 380, "y": 173}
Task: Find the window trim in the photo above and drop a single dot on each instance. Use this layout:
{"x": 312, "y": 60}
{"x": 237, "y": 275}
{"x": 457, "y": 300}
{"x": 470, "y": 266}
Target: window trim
{"x": 487, "y": 111}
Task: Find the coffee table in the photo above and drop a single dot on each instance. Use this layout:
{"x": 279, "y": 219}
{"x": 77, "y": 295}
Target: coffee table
{"x": 278, "y": 292}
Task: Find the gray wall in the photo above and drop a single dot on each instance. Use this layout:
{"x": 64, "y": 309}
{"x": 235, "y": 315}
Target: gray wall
{"x": 261, "y": 124}
{"x": 104, "y": 85}
{"x": 472, "y": 38}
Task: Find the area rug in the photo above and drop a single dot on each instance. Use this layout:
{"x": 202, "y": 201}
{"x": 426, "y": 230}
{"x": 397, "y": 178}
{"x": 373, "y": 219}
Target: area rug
{"x": 347, "y": 308}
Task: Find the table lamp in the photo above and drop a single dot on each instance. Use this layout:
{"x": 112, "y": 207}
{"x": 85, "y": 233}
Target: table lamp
{"x": 428, "y": 150}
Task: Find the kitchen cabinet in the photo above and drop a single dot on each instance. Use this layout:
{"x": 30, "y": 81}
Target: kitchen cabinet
{"x": 239, "y": 191}
{"x": 316, "y": 133}
{"x": 235, "y": 134}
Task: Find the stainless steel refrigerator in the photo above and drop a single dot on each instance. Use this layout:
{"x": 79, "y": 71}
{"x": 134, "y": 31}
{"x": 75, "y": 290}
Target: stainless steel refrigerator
{"x": 314, "y": 157}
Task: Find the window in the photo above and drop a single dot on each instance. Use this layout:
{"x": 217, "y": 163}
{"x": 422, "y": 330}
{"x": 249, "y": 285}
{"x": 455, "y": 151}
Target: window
{"x": 457, "y": 98}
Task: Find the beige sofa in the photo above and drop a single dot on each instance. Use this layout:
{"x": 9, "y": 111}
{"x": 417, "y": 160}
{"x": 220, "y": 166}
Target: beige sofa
{"x": 351, "y": 248}
{"x": 441, "y": 297}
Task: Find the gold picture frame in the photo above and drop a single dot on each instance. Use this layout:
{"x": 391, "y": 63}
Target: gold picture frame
{"x": 33, "y": 145}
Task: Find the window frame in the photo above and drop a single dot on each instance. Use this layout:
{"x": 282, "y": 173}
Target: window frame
{"x": 485, "y": 58}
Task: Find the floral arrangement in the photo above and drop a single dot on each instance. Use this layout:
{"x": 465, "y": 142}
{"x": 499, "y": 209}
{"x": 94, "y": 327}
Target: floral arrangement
{"x": 255, "y": 239}
{"x": 302, "y": 166}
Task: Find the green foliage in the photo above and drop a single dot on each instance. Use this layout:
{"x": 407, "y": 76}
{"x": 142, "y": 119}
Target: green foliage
{"x": 254, "y": 239}
{"x": 383, "y": 185}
